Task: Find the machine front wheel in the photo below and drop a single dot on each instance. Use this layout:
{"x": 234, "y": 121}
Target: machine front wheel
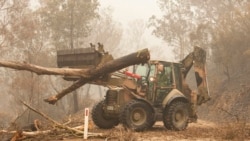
{"x": 175, "y": 116}
{"x": 137, "y": 115}
{"x": 100, "y": 119}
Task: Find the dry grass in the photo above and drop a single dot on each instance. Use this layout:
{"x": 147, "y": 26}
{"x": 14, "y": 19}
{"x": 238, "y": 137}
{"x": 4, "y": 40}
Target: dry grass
{"x": 121, "y": 134}
{"x": 236, "y": 131}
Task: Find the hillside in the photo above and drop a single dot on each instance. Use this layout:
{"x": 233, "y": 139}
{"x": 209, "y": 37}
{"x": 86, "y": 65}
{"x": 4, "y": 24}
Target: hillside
{"x": 230, "y": 100}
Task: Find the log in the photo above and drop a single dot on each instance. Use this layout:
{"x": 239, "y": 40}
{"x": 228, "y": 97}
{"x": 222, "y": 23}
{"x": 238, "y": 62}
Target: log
{"x": 114, "y": 65}
{"x": 39, "y": 70}
{"x": 26, "y": 133}
{"x": 86, "y": 75}
{"x": 36, "y": 133}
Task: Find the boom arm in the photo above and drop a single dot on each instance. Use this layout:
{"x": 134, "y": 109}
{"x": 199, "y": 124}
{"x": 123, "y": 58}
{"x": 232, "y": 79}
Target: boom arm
{"x": 197, "y": 58}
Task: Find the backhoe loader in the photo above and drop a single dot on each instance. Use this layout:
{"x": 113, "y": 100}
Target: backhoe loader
{"x": 139, "y": 96}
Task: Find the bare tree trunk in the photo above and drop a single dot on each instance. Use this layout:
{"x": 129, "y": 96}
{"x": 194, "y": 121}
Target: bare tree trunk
{"x": 87, "y": 93}
{"x": 227, "y": 73}
{"x": 100, "y": 91}
{"x": 75, "y": 99}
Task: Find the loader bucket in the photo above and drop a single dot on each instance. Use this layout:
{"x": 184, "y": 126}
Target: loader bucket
{"x": 78, "y": 58}
{"x": 82, "y": 58}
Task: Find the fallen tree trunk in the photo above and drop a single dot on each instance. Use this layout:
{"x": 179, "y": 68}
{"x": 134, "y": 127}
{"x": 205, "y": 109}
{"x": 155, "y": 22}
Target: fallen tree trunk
{"x": 39, "y": 70}
{"x": 36, "y": 133}
{"x": 102, "y": 70}
{"x": 86, "y": 75}
{"x": 26, "y": 133}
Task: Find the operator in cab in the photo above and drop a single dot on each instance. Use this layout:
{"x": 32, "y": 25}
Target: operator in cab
{"x": 162, "y": 76}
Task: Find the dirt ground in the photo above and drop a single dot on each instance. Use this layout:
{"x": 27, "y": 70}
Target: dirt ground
{"x": 200, "y": 131}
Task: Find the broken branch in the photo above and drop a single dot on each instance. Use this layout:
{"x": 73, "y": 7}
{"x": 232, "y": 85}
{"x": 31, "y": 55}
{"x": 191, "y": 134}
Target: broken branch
{"x": 39, "y": 70}
{"x": 51, "y": 120}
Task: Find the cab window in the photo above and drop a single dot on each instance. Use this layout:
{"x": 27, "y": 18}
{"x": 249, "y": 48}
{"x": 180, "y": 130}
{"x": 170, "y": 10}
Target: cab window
{"x": 142, "y": 70}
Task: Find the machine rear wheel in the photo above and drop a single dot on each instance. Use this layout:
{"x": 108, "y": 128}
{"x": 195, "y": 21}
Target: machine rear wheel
{"x": 100, "y": 119}
{"x": 137, "y": 115}
{"x": 175, "y": 116}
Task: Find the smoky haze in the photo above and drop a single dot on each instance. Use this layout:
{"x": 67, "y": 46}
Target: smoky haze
{"x": 32, "y": 32}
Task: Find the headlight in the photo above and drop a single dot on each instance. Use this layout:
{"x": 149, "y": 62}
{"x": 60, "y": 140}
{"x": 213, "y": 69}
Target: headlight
{"x": 151, "y": 79}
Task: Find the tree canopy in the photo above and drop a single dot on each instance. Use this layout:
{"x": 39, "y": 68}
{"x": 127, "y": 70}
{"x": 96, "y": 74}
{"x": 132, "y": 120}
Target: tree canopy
{"x": 68, "y": 21}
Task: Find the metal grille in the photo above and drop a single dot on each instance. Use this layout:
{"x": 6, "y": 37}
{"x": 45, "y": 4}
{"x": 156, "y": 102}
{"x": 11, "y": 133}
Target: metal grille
{"x": 111, "y": 97}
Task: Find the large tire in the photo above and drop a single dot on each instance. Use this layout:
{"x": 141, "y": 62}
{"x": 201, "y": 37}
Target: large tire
{"x": 176, "y": 115}
{"x": 137, "y": 115}
{"x": 99, "y": 118}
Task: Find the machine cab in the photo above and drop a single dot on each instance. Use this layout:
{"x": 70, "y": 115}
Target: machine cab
{"x": 157, "y": 80}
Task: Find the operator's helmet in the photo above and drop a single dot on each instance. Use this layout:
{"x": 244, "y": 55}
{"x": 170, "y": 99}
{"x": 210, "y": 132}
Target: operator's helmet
{"x": 160, "y": 67}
